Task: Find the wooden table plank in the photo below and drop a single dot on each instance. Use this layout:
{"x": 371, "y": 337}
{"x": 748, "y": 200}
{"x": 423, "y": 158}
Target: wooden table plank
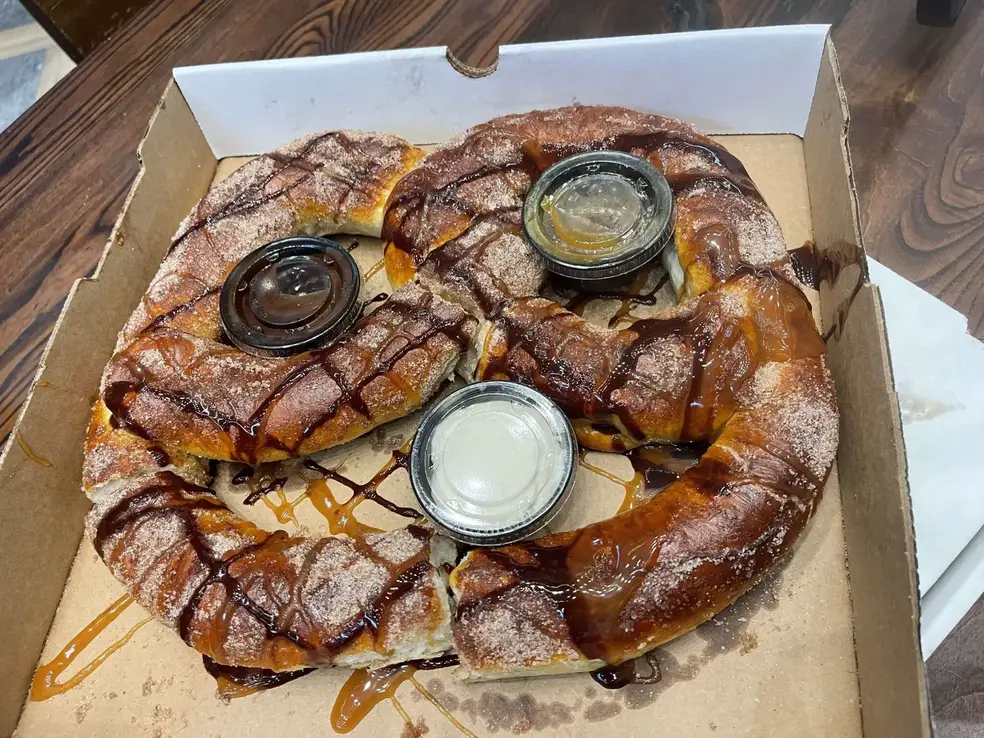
{"x": 916, "y": 96}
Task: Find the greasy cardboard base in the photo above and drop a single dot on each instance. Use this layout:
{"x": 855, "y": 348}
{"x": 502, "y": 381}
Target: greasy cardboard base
{"x": 781, "y": 660}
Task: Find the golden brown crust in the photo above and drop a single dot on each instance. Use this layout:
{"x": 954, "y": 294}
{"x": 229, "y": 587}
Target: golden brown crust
{"x": 740, "y": 363}
{"x": 250, "y": 598}
{"x": 209, "y": 399}
{"x": 174, "y": 392}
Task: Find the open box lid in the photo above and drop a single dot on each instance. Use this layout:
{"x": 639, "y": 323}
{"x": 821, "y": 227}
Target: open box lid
{"x": 761, "y": 81}
{"x": 248, "y": 108}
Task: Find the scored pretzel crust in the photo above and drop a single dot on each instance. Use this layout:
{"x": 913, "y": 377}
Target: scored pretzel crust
{"x": 739, "y": 363}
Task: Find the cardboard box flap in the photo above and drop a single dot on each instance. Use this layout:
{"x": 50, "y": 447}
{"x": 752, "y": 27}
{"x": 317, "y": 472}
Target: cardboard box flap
{"x": 754, "y": 80}
{"x": 41, "y": 468}
{"x": 877, "y": 515}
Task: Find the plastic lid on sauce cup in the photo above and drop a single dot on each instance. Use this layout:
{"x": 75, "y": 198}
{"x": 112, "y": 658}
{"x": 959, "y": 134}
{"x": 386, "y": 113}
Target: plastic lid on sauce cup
{"x": 492, "y": 463}
{"x": 292, "y": 295}
{"x": 599, "y": 215}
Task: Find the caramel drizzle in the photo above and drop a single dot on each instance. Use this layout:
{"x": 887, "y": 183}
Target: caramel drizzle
{"x": 45, "y": 383}
{"x": 654, "y": 468}
{"x": 46, "y": 685}
{"x": 400, "y": 459}
{"x": 339, "y": 515}
{"x": 282, "y": 508}
{"x": 363, "y": 690}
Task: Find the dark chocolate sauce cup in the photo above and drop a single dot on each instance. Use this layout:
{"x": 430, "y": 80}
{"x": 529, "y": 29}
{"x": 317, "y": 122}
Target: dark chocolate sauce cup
{"x": 292, "y": 295}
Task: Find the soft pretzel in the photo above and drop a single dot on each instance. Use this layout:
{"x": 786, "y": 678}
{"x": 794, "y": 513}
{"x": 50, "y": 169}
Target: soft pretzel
{"x": 738, "y": 363}
{"x": 174, "y": 392}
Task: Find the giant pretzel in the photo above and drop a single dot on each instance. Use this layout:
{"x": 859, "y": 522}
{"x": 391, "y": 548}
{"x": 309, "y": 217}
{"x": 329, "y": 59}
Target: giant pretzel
{"x": 738, "y": 363}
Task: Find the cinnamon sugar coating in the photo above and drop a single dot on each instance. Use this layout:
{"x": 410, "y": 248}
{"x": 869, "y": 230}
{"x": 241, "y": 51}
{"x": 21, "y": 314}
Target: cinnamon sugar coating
{"x": 738, "y": 363}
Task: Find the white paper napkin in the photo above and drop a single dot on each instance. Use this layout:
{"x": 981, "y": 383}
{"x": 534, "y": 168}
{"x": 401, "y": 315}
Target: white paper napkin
{"x": 939, "y": 377}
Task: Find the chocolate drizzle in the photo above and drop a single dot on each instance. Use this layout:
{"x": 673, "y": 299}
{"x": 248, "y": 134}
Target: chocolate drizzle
{"x": 374, "y": 300}
{"x": 167, "y": 317}
{"x": 370, "y": 490}
{"x": 712, "y": 337}
{"x": 631, "y": 295}
{"x": 263, "y": 490}
{"x": 248, "y": 436}
{"x": 430, "y": 189}
{"x": 171, "y": 496}
{"x": 626, "y": 673}
{"x": 260, "y": 194}
{"x": 438, "y": 662}
{"x": 815, "y": 267}
{"x": 591, "y": 576}
{"x": 460, "y": 264}
{"x": 250, "y": 680}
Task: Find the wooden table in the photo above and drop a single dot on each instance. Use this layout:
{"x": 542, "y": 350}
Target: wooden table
{"x": 916, "y": 95}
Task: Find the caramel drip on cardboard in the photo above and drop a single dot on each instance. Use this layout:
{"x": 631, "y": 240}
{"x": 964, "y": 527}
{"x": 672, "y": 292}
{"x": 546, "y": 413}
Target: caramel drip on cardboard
{"x": 374, "y": 269}
{"x": 654, "y": 467}
{"x": 29, "y": 453}
{"x": 263, "y": 482}
{"x": 46, "y": 684}
{"x": 364, "y": 690}
{"x": 369, "y": 490}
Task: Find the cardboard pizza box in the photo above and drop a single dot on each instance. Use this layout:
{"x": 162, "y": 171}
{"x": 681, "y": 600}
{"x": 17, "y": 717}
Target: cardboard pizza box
{"x": 826, "y": 646}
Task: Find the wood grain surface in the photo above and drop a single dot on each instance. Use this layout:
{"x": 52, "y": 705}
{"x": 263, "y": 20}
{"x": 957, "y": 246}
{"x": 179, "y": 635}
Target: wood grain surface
{"x": 916, "y": 95}
{"x": 79, "y": 26}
